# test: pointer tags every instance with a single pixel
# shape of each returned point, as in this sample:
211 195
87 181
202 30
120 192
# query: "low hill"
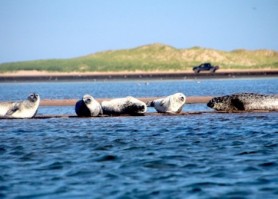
154 57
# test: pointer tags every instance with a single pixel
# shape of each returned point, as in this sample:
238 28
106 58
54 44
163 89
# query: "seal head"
88 107
224 103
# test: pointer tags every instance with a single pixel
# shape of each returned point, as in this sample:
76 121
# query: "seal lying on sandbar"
244 102
128 105
88 107
26 109
171 104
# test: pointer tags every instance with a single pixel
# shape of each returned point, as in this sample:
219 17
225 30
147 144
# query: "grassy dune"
155 57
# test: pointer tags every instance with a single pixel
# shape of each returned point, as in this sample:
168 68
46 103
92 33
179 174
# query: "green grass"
155 57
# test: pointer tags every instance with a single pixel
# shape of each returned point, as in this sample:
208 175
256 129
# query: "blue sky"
43 29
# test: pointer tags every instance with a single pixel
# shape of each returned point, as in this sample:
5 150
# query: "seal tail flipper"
150 103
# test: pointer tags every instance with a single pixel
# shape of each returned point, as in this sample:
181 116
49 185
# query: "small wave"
107 158
268 164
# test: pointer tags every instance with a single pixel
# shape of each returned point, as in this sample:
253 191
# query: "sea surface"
206 155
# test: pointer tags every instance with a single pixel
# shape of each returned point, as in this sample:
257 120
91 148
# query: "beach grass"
154 57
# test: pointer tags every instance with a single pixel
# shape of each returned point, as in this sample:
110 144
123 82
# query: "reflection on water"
190 156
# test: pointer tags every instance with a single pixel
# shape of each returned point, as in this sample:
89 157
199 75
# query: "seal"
170 104
244 102
88 107
26 109
128 105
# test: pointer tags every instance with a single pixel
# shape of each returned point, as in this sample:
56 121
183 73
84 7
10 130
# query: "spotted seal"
25 109
244 102
170 104
88 107
128 105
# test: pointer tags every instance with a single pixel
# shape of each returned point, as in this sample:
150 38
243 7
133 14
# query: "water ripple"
196 156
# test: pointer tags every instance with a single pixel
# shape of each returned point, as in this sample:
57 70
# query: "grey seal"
244 102
128 105
25 109
170 104
88 107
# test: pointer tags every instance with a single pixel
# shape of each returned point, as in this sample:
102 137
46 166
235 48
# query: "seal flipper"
13 109
238 104
163 102
179 110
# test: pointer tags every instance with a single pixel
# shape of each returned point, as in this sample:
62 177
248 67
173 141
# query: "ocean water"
112 89
209 155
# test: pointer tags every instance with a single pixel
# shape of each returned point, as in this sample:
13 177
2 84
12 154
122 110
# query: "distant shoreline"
126 75
48 73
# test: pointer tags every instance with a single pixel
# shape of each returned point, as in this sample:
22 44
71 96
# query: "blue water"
73 90
190 156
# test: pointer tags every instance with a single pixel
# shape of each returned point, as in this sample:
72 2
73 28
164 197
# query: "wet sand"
71 102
